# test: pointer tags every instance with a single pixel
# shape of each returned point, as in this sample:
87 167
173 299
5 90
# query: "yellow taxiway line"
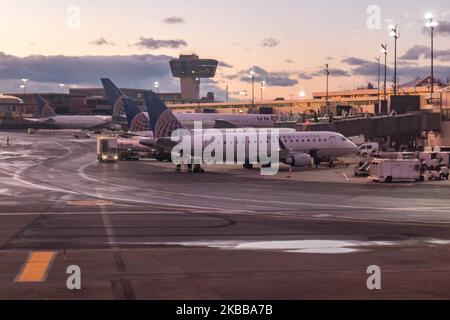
36 267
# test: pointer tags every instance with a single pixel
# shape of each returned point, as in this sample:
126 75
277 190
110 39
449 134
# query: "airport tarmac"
139 230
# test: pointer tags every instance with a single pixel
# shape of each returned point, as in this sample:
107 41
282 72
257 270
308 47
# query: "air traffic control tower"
191 69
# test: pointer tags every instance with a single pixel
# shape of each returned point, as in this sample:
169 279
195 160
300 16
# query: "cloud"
46 71
443 29
406 72
334 72
174 20
223 64
289 61
352 61
274 79
270 42
415 53
418 52
102 42
362 67
154 44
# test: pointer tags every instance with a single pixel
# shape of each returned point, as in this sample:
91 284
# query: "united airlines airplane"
295 148
47 116
209 120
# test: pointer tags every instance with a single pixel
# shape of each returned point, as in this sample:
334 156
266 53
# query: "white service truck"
107 149
394 170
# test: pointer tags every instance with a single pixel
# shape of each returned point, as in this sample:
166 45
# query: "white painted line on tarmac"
318 205
112 240
83 175
345 176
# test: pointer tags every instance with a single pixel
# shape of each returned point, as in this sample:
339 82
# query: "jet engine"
299 160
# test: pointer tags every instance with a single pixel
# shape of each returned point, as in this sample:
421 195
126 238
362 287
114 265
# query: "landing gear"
248 166
191 168
198 169
333 163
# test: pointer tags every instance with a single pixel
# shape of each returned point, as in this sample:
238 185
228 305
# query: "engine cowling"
300 160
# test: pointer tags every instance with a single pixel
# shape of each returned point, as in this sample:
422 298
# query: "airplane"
209 120
295 148
47 117
138 121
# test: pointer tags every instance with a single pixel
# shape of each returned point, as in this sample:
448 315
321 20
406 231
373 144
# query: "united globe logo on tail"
119 108
140 123
167 124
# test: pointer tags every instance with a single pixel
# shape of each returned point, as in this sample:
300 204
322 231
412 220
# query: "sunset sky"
285 41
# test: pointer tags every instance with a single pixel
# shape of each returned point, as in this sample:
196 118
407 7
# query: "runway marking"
345 176
112 240
36 267
17 175
82 174
90 203
127 289
318 205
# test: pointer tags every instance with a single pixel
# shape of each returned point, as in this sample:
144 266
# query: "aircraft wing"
127 135
165 144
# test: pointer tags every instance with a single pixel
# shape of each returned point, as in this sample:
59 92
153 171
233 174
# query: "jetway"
413 125
405 126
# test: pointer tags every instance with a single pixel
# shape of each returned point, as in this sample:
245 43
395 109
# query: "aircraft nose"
353 147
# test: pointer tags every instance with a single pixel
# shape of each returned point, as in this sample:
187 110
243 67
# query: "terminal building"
412 98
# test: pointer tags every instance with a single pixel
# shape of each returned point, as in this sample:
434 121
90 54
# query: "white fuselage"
78 122
239 120
327 145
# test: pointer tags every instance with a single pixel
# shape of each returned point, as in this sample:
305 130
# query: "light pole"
431 23
395 34
24 85
326 71
302 94
379 81
156 85
227 93
253 75
263 86
384 51
243 95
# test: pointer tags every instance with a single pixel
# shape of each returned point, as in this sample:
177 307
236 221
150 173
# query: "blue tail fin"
115 97
137 120
44 110
162 121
